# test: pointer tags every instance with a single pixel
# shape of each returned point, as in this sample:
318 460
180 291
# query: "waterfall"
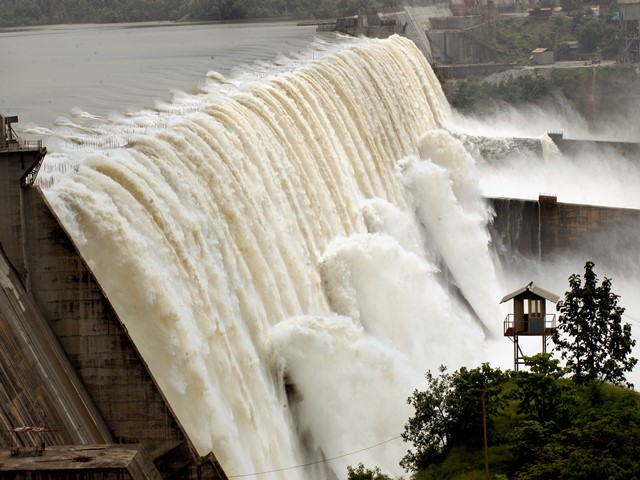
283 249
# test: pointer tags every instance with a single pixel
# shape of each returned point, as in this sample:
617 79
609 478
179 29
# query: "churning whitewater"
283 248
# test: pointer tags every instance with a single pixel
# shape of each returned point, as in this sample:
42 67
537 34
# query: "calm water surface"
46 72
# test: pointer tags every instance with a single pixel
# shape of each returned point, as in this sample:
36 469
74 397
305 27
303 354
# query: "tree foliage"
44 12
449 411
541 395
590 335
599 442
572 6
362 473
542 426
428 429
590 31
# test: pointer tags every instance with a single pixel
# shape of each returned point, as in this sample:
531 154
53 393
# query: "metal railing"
16 145
530 325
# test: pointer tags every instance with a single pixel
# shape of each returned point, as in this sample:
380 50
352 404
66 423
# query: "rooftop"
534 289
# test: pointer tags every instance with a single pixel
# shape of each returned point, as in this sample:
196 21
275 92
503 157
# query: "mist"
594 175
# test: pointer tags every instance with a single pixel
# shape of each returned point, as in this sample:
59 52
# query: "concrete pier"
19 165
629 150
90 462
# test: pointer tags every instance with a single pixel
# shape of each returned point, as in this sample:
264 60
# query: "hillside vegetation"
44 12
540 426
517 36
479 94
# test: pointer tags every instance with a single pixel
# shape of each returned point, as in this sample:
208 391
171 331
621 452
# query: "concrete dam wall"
71 375
545 229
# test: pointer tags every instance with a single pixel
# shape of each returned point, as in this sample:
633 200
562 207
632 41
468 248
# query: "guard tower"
529 318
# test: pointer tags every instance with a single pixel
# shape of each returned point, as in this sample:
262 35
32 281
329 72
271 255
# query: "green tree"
544 427
540 393
545 400
428 430
590 334
526 441
233 9
600 442
449 412
362 473
590 31
570 6
469 387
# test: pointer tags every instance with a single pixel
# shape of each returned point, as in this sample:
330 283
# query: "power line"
631 317
316 462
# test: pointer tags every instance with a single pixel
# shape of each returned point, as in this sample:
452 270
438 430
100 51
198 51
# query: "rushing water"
270 229
291 246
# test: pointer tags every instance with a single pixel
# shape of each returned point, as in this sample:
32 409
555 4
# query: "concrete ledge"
109 462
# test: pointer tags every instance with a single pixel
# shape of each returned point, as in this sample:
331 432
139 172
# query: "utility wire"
635 320
316 462
631 317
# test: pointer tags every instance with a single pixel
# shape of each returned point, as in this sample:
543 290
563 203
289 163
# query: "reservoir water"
48 71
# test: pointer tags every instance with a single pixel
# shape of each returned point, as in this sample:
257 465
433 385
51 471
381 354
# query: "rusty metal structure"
629 30
380 24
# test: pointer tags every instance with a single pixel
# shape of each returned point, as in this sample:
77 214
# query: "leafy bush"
448 413
550 427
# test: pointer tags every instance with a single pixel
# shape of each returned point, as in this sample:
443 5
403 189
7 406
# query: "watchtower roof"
531 290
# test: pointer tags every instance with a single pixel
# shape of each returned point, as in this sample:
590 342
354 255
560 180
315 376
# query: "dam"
68 363
206 292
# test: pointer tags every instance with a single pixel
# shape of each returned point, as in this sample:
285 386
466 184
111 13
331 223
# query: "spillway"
282 255
248 281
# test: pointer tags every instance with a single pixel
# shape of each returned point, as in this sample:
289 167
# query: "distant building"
629 9
369 24
543 12
541 56
569 50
